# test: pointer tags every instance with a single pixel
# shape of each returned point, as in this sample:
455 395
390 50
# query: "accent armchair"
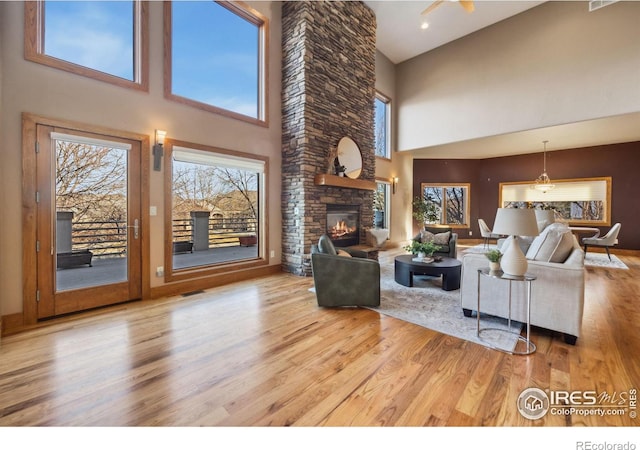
446 242
486 233
606 241
342 279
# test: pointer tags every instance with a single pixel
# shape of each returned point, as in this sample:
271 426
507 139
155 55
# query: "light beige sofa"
557 301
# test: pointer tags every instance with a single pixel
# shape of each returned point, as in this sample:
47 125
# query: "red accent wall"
621 162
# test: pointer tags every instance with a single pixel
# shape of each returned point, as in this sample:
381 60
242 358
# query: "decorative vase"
514 261
494 266
422 255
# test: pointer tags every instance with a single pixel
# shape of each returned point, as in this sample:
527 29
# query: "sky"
214 51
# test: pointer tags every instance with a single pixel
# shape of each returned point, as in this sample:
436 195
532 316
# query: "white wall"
37 89
554 64
386 84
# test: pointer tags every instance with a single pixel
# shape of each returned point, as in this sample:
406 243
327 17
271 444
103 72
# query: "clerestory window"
382 123
107 41
217 58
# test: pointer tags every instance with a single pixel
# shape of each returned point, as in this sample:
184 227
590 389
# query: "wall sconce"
158 149
394 184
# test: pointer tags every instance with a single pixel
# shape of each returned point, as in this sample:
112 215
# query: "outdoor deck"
114 270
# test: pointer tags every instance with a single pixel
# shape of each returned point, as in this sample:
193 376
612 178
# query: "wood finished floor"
262 353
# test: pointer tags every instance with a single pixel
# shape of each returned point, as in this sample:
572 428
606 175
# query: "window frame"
467 205
387 102
387 202
249 14
537 199
189 273
34 32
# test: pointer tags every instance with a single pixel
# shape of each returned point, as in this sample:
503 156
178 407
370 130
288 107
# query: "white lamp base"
513 261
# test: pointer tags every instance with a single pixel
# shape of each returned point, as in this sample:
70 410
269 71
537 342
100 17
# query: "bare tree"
91 181
245 184
455 205
229 192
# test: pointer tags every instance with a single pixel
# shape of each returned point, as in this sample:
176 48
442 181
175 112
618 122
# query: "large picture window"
382 121
446 204
215 209
107 41
216 58
583 201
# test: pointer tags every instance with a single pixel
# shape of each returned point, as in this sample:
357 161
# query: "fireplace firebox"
343 225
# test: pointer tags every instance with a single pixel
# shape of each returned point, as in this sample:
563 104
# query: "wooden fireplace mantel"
324 179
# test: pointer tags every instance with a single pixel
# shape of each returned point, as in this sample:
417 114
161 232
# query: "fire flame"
342 229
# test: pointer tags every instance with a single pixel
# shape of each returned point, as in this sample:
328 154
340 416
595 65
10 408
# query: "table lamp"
514 222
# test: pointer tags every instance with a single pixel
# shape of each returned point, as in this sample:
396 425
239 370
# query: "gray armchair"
606 241
343 280
448 249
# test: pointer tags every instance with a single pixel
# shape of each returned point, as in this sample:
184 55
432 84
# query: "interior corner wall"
328 90
389 169
554 64
618 161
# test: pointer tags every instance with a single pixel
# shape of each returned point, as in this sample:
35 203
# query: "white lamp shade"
515 222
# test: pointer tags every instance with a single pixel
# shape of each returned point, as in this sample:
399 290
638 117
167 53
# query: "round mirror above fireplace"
350 157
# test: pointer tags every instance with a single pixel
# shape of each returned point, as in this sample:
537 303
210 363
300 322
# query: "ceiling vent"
597 4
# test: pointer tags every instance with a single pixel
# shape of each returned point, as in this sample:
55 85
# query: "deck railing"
108 239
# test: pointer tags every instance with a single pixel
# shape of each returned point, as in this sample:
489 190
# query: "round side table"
499 275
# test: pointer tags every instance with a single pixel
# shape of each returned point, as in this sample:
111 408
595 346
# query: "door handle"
136 228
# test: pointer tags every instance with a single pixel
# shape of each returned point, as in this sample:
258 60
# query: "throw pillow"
438 239
442 238
564 248
426 236
544 245
343 253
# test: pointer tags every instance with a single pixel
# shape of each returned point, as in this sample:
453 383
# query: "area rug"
602 260
590 259
427 305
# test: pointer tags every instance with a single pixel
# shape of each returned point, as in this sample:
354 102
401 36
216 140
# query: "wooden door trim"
29 208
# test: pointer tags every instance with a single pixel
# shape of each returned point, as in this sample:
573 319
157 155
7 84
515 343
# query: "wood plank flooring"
262 353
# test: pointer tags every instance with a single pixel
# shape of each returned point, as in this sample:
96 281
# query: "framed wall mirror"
580 201
349 156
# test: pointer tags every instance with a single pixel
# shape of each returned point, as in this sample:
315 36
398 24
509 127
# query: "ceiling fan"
466 4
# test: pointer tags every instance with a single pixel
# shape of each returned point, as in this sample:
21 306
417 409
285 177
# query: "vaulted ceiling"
400 37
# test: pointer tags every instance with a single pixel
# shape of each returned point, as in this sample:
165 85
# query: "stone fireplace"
328 91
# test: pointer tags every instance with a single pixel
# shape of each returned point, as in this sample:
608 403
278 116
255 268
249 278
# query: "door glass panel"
91 242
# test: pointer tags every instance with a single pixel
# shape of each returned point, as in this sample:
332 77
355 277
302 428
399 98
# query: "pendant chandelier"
543 182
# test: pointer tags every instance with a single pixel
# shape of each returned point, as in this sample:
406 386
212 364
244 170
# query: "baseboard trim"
196 284
11 323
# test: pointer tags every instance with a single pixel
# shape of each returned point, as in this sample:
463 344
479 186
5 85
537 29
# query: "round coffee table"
449 268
